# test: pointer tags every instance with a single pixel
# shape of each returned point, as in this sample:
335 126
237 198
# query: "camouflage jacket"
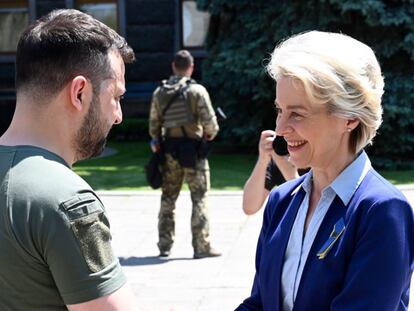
204 120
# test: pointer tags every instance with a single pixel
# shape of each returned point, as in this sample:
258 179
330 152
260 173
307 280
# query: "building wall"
151 28
45 6
150 32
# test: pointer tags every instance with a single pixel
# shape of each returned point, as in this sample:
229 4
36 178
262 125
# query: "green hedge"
131 129
243 33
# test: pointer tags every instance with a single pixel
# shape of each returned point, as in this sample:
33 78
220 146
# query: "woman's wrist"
263 160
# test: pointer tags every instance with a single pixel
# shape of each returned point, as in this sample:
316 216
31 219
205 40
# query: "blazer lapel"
277 244
335 213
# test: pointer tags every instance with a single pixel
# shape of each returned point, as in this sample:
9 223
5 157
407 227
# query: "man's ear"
190 70
77 89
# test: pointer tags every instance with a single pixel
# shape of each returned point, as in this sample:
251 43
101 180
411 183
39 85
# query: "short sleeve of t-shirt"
273 176
74 242
78 250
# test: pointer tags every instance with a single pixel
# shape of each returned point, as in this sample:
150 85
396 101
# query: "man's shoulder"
197 87
157 90
171 86
39 174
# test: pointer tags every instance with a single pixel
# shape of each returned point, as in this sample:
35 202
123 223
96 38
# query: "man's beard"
90 140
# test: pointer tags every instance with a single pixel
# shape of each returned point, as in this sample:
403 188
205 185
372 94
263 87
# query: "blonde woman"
340 237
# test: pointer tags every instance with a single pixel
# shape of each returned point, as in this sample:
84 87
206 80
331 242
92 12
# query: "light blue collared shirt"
299 245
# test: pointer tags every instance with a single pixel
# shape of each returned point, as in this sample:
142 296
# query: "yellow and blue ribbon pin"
337 231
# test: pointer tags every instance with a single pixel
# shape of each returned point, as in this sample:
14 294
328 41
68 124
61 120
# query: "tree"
243 33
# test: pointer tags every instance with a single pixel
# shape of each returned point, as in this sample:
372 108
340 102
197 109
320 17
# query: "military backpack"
175 103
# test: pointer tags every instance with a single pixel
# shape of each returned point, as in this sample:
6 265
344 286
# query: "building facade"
155 29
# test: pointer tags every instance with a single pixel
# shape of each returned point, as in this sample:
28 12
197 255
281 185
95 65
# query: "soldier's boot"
165 253
210 252
164 247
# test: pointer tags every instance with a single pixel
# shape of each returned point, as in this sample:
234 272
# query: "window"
14 17
194 25
105 11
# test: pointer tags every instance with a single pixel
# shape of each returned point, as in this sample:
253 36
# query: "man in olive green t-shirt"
54 235
55 241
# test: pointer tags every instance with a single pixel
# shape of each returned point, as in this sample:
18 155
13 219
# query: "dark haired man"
181 116
55 251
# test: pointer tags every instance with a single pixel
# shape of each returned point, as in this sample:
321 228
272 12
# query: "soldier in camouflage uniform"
189 117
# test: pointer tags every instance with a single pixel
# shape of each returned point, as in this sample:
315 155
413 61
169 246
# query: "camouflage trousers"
198 180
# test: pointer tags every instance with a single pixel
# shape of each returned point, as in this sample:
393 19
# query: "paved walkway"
180 283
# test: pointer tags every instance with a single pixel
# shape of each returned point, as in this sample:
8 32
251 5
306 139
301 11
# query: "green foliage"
132 129
395 139
243 33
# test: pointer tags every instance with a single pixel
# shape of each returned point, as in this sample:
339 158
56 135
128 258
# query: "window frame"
70 4
9 57
196 51
120 12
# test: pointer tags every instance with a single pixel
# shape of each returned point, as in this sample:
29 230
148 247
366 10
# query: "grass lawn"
125 169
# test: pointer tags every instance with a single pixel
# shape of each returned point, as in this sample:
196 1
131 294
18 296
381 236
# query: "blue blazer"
368 268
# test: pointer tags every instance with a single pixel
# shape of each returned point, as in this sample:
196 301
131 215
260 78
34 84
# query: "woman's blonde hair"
337 71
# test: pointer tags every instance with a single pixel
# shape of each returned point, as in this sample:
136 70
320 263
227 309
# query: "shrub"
131 129
243 33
